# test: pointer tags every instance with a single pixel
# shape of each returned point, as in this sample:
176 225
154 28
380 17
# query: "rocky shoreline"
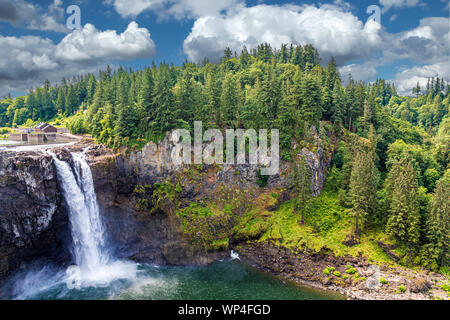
364 282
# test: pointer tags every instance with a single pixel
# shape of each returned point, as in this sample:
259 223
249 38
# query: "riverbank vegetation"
389 180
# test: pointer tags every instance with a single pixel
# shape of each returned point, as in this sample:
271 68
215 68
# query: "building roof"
43 126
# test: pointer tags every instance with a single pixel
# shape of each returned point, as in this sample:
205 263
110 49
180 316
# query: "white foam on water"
234 255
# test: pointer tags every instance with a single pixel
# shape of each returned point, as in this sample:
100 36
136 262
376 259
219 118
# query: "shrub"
326 271
445 271
402 289
345 277
446 288
262 180
350 270
383 281
337 273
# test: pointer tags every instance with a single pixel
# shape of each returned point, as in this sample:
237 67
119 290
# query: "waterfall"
86 227
94 263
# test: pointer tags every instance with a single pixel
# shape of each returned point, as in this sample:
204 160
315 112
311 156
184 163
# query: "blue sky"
410 44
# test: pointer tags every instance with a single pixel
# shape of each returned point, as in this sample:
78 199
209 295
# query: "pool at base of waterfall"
226 280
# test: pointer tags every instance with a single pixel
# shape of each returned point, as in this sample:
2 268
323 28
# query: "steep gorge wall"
33 218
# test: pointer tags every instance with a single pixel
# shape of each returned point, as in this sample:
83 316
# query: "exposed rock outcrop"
33 220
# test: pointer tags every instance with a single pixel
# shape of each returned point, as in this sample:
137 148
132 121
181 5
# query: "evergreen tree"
404 219
71 101
228 100
163 115
311 99
302 186
363 185
212 96
417 90
332 75
144 104
438 224
338 105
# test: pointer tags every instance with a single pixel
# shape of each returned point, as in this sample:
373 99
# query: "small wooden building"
45 128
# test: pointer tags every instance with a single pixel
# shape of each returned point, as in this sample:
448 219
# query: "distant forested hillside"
391 169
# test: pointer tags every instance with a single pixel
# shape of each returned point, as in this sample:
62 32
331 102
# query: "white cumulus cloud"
387 4
33 16
28 61
173 8
333 31
407 79
89 43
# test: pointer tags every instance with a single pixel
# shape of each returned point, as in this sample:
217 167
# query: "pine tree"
363 185
404 218
228 100
302 186
61 100
311 99
269 95
438 224
417 90
163 116
338 104
212 96
71 101
145 101
187 97
332 75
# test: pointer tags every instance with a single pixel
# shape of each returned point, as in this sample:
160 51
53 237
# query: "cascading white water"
94 264
87 229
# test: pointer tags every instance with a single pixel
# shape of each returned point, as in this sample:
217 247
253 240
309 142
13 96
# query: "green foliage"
205 228
324 212
402 289
261 179
404 220
383 281
331 270
446 287
77 124
363 184
445 270
301 181
350 270
438 223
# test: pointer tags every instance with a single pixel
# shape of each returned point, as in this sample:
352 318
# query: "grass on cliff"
326 227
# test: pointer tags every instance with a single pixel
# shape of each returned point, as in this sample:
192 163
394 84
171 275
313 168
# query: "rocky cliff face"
33 214
33 219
